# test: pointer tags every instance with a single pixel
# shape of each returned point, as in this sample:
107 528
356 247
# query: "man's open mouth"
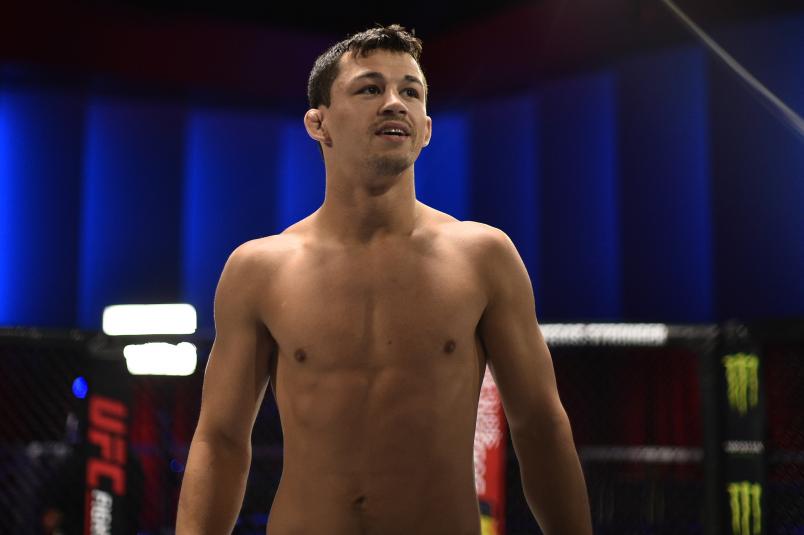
393 130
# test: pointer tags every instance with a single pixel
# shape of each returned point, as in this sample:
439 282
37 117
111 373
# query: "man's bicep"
237 370
517 354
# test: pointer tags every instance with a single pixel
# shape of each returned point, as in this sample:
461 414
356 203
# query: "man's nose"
393 104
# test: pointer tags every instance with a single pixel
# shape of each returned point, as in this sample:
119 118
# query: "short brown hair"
394 37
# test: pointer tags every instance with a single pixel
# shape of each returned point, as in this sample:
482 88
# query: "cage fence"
638 414
637 423
784 379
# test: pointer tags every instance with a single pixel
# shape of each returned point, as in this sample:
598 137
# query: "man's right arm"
234 385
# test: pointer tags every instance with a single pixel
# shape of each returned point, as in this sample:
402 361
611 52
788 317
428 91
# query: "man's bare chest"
354 309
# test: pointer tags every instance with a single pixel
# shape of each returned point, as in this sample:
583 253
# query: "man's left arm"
520 362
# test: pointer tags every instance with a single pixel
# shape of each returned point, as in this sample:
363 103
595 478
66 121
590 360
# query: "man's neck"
360 211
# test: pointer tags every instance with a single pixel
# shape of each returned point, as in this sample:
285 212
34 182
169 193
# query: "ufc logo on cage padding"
108 428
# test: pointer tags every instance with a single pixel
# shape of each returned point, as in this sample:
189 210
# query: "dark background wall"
639 178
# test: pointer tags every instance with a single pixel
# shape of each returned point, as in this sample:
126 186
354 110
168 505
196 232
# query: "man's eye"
411 92
371 90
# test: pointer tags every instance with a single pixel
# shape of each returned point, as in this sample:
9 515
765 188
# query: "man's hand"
523 370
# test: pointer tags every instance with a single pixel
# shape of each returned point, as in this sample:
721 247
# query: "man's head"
393 38
367 101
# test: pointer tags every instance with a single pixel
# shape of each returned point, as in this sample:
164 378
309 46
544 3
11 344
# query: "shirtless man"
373 319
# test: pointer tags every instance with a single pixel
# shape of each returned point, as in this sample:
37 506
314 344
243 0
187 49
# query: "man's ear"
428 131
314 124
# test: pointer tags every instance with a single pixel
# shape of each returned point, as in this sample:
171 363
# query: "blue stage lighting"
80 387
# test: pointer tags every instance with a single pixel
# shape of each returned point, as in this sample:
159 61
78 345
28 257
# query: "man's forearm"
552 479
213 487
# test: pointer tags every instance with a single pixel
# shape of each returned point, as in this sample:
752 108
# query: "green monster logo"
742 380
746 506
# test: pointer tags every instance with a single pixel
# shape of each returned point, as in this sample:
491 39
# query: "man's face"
377 115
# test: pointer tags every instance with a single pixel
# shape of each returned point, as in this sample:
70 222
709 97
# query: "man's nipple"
300 355
359 503
449 347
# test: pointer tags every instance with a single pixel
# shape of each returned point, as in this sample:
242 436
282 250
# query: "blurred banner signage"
489 456
107 424
743 402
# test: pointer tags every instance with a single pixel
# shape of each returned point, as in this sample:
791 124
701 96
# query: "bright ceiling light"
121 320
160 358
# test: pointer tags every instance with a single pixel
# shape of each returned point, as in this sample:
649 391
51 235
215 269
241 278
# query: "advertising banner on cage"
107 424
743 399
489 457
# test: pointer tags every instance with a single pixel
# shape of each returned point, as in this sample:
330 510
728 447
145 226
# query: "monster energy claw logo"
745 499
742 380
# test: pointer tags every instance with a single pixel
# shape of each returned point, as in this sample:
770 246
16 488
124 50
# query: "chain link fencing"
636 418
784 385
637 415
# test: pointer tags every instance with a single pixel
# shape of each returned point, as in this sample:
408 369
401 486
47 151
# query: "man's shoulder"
474 236
262 253
487 248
